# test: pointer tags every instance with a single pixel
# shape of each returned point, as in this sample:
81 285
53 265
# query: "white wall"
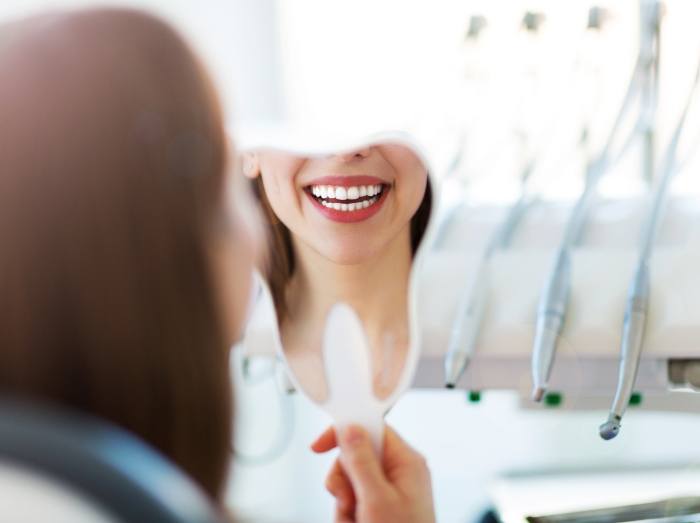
237 39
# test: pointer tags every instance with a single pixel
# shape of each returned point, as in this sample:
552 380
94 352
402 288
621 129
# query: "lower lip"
350 216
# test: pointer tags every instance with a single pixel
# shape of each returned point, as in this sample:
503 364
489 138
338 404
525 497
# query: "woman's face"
347 207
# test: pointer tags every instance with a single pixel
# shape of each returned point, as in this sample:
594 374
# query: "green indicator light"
553 399
474 396
635 399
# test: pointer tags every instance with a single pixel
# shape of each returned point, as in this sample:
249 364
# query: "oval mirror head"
343 228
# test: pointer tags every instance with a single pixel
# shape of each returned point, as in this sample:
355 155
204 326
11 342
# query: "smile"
347 203
347 199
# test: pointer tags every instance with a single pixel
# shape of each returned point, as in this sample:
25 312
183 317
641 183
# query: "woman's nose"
356 154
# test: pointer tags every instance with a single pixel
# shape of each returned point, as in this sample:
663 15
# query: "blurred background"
485 86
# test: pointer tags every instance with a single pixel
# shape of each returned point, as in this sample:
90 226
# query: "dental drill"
637 308
553 305
470 310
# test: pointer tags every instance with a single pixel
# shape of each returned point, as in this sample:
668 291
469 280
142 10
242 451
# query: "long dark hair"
112 154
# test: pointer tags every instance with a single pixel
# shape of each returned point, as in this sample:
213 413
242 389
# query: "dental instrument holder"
553 305
346 357
638 297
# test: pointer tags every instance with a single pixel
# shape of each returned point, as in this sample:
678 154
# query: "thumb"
361 463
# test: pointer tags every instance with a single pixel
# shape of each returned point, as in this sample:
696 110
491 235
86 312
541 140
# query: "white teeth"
345 193
349 207
328 192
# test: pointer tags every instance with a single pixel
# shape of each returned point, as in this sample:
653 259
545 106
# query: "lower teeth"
349 207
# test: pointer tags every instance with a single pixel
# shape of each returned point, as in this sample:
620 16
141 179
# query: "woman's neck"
376 289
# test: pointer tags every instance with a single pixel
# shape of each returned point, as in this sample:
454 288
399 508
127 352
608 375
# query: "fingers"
325 442
343 517
397 487
338 484
405 468
396 451
361 465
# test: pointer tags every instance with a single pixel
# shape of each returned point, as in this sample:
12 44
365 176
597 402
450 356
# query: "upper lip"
346 181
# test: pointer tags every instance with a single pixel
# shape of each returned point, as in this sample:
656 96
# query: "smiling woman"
344 228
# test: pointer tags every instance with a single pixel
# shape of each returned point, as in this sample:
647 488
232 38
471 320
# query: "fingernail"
353 436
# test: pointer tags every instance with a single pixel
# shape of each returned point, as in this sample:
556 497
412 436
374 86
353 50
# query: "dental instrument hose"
638 296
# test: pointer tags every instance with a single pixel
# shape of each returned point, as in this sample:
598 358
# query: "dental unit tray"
598 493
686 510
587 365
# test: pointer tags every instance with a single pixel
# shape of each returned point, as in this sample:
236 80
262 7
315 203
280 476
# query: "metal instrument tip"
538 393
610 428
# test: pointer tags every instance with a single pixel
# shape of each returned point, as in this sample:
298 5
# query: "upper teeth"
345 193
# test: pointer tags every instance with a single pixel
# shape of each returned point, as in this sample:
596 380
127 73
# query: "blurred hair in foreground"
113 154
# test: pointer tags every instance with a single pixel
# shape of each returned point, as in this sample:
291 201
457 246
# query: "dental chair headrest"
72 464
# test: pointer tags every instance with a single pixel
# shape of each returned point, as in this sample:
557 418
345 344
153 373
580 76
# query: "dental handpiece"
631 351
551 315
638 298
551 311
470 311
465 329
637 307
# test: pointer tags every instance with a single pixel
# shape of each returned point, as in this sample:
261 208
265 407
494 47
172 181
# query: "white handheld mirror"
347 360
344 230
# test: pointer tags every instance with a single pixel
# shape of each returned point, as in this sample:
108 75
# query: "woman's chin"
349 254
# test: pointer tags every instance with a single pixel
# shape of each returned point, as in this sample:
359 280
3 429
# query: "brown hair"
113 152
280 262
